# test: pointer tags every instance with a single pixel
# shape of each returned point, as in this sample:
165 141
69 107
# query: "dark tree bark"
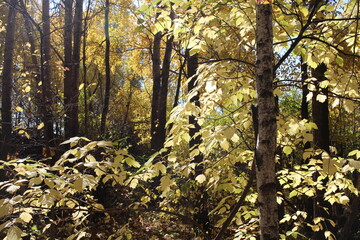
178 85
201 197
266 140
76 65
320 114
165 73
86 112
107 70
47 117
160 91
320 110
68 66
7 80
72 47
156 71
192 65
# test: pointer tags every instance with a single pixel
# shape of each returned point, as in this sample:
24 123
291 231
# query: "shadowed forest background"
180 119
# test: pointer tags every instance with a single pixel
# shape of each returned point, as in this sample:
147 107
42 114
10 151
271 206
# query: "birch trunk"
266 142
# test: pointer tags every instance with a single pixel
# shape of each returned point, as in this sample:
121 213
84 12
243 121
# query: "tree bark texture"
107 70
72 47
161 73
76 65
84 57
201 216
47 117
266 140
192 65
68 66
320 110
7 80
320 114
156 71
165 74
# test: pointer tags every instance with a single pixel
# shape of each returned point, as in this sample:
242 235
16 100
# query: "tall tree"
68 97
156 72
161 75
72 44
7 80
46 74
320 114
266 140
76 64
202 214
107 70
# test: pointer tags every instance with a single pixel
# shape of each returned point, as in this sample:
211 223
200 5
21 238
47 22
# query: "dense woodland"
180 119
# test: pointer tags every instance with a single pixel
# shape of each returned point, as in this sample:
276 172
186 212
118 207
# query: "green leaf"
287 150
293 193
353 152
340 61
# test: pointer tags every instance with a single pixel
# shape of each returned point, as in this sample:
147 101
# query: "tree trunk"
7 80
86 112
46 75
72 46
178 84
76 64
201 216
162 104
156 61
320 110
266 144
68 66
107 70
160 90
320 114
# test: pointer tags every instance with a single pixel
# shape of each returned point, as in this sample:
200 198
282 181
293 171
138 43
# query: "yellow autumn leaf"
26 217
344 200
200 178
321 98
41 125
132 162
27 89
19 109
14 233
